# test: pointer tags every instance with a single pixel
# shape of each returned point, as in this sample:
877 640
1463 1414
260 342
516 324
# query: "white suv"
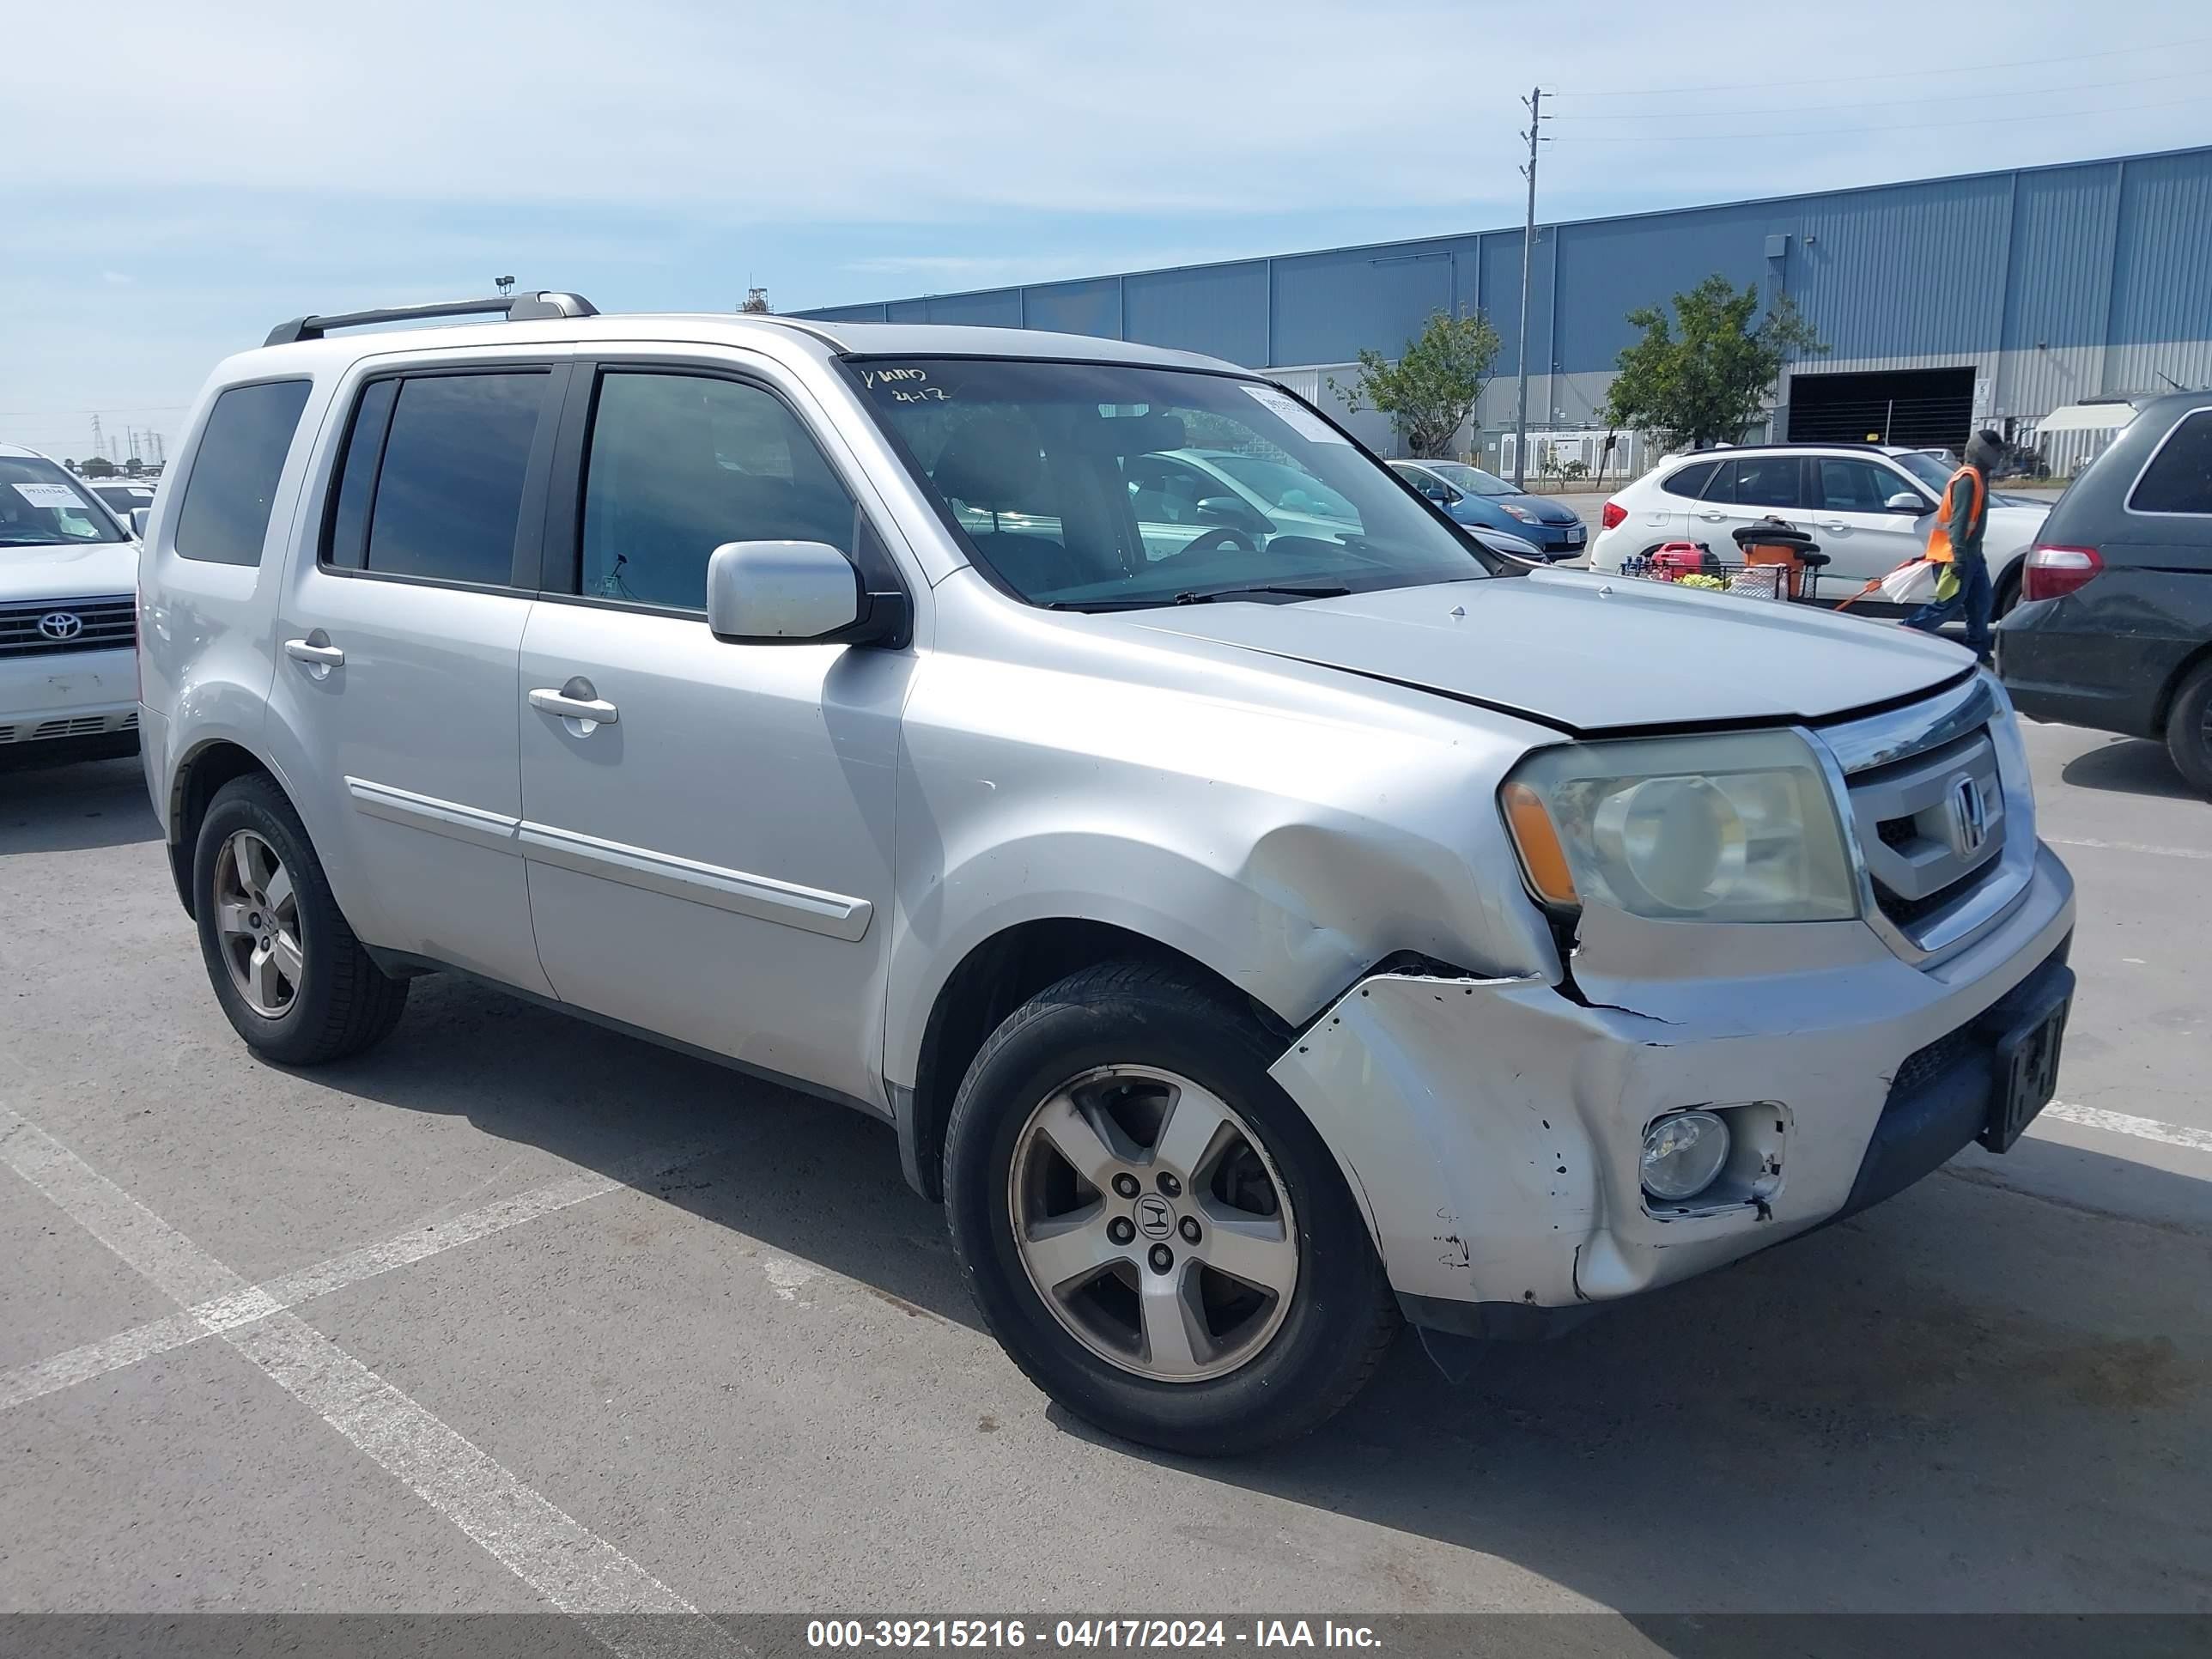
1870 507
1255 927
67 568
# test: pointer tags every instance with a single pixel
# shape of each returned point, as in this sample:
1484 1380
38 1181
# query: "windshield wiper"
1164 600
1212 594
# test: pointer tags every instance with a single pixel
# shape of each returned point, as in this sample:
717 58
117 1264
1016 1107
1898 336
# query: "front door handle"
1838 528
592 711
326 656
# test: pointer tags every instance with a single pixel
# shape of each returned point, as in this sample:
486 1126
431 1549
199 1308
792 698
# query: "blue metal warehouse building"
1986 299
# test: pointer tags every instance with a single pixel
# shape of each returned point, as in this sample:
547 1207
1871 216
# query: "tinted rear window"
2180 476
449 492
225 516
1690 481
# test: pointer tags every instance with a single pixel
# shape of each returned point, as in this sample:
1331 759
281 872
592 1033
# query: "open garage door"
1920 408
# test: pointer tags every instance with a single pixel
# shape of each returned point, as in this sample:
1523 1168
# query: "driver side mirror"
1906 501
796 594
1228 510
140 518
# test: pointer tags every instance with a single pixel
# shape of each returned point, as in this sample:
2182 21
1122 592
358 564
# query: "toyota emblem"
61 624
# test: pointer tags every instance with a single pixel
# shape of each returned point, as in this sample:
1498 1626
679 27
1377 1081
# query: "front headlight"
1735 828
1519 513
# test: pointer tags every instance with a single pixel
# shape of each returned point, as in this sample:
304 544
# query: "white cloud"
851 109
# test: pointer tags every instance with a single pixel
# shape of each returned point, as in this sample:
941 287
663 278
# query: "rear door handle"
324 656
596 711
1714 518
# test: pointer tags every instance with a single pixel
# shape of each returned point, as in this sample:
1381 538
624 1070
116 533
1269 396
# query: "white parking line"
570 1565
2122 1123
2130 846
237 1307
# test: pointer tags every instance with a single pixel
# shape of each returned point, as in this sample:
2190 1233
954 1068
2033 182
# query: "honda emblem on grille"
61 624
1970 817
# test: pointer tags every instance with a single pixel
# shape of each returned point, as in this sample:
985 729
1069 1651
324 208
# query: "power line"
1887 126
1901 103
1885 75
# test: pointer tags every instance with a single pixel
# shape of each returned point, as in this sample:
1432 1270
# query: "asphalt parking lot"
513 1314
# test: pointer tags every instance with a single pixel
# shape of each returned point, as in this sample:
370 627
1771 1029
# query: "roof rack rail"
515 307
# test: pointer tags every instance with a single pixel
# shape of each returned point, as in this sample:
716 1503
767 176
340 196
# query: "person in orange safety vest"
1956 540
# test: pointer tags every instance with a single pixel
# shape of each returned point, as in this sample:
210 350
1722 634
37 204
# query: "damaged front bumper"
1491 1129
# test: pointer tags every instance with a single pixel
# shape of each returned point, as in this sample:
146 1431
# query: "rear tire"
292 979
1227 1367
2189 729
2007 595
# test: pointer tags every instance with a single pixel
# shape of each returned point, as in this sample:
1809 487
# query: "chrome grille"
47 628
1944 843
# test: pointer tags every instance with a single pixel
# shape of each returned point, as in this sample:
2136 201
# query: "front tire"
2188 730
292 979
1150 1225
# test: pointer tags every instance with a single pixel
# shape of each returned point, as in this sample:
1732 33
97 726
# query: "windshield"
1472 479
41 505
1926 468
1102 486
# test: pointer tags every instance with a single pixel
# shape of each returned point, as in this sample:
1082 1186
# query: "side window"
348 538
1856 486
679 464
2180 476
445 500
1765 481
224 518
1165 492
1690 481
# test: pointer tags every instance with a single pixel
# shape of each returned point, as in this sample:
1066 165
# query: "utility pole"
1534 101
98 448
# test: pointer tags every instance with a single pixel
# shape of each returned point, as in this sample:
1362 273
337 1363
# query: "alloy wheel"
256 922
1152 1224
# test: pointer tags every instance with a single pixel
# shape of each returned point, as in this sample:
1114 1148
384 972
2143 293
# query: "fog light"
1683 1154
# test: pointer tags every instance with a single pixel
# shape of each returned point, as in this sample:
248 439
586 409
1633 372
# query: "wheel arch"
991 979
204 768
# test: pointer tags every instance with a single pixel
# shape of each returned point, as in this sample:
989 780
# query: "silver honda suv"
1258 925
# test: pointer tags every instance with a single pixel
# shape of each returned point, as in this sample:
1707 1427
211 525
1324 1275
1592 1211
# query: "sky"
200 172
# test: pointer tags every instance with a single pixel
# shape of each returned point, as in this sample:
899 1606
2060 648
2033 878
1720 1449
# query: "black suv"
2114 630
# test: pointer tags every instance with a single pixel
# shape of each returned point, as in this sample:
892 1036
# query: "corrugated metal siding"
1090 306
1327 306
2058 287
1610 267
1907 270
1221 310
2162 315
2115 281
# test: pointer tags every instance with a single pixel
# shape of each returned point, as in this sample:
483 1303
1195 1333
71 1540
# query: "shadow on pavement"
68 807
2128 766
1972 1397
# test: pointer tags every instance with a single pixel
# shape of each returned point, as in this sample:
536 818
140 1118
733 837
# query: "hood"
1589 653
70 571
1984 450
1548 510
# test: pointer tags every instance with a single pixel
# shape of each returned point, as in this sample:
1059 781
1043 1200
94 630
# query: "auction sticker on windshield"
44 495
1300 419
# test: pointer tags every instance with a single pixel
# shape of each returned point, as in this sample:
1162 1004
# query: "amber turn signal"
1543 860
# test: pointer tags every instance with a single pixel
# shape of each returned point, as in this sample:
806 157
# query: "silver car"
1253 940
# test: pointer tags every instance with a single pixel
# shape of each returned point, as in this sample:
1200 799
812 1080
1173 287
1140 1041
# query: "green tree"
1432 388
1704 378
100 467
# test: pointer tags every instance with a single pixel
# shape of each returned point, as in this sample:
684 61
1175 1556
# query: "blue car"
1472 496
